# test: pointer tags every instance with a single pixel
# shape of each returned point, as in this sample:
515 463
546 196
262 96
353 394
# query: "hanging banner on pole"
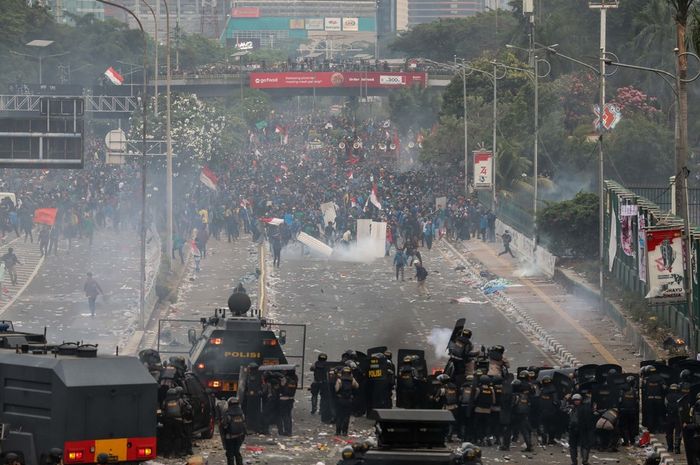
666 276
642 246
483 169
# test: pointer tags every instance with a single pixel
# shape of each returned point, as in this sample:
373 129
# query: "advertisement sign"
332 24
245 12
247 44
296 24
350 24
483 169
314 24
665 276
355 79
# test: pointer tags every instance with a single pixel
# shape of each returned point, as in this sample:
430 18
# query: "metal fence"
661 196
515 211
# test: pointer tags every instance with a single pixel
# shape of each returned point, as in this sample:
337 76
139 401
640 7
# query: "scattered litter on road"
466 300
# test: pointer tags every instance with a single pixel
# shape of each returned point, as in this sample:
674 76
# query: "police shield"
601 371
563 383
586 373
673 361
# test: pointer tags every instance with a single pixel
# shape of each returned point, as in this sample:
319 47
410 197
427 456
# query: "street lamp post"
40 59
155 38
144 102
168 139
535 75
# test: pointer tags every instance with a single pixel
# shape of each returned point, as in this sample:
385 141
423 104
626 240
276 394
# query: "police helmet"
443 378
612 372
359 447
407 359
673 387
322 357
499 348
516 384
498 379
351 364
387 354
576 397
253 366
346 370
467 332
531 374
698 396
171 392
685 375
350 353
479 373
652 369
630 379
469 378
179 390
484 380
348 452
11 457
233 400
546 380
523 374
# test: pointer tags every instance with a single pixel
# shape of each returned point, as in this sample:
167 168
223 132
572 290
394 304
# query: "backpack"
422 273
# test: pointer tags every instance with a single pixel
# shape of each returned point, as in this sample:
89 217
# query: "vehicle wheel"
209 433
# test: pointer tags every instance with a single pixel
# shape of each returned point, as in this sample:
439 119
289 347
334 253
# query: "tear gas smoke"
439 338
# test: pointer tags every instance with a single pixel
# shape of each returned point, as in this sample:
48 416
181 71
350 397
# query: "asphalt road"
55 298
358 304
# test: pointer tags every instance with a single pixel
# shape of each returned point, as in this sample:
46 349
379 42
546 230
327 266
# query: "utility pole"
168 139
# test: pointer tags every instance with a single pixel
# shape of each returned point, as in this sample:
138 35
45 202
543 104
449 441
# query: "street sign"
483 169
611 116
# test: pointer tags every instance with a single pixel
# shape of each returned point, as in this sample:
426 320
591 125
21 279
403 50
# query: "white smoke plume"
439 338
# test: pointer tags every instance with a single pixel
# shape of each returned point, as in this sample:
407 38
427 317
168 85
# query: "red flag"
352 160
350 175
208 178
45 216
374 199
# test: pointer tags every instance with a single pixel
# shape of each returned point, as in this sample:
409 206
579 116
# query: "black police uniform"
319 388
252 402
520 421
271 403
288 389
345 389
407 388
673 420
548 406
629 414
483 401
581 426
173 427
653 399
233 434
466 411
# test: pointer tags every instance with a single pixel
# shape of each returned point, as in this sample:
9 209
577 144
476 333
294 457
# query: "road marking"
595 342
24 286
514 324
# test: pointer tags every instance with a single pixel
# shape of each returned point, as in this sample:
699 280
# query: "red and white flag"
116 78
350 175
374 199
208 178
273 221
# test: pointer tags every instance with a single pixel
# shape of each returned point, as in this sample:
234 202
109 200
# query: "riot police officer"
629 412
581 426
319 388
391 374
498 364
673 419
495 419
345 388
288 388
466 409
520 421
484 398
252 402
407 385
271 402
173 429
548 406
449 400
460 352
691 434
187 421
654 390
233 432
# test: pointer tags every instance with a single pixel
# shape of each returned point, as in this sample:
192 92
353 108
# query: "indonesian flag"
116 78
272 221
350 175
352 160
45 216
284 167
208 178
373 198
353 202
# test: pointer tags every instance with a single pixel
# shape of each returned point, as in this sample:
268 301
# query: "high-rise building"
425 11
64 10
322 26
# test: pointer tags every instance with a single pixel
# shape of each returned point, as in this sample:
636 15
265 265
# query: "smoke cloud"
439 338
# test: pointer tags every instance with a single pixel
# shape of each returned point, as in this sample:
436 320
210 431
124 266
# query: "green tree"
571 226
252 105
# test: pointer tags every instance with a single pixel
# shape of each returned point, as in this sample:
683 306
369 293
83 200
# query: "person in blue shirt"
400 263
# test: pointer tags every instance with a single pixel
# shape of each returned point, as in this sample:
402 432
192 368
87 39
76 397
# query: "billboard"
351 24
483 169
355 79
665 276
314 24
296 24
332 24
245 12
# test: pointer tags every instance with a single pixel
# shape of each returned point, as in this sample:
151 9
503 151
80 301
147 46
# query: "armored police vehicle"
226 344
64 403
